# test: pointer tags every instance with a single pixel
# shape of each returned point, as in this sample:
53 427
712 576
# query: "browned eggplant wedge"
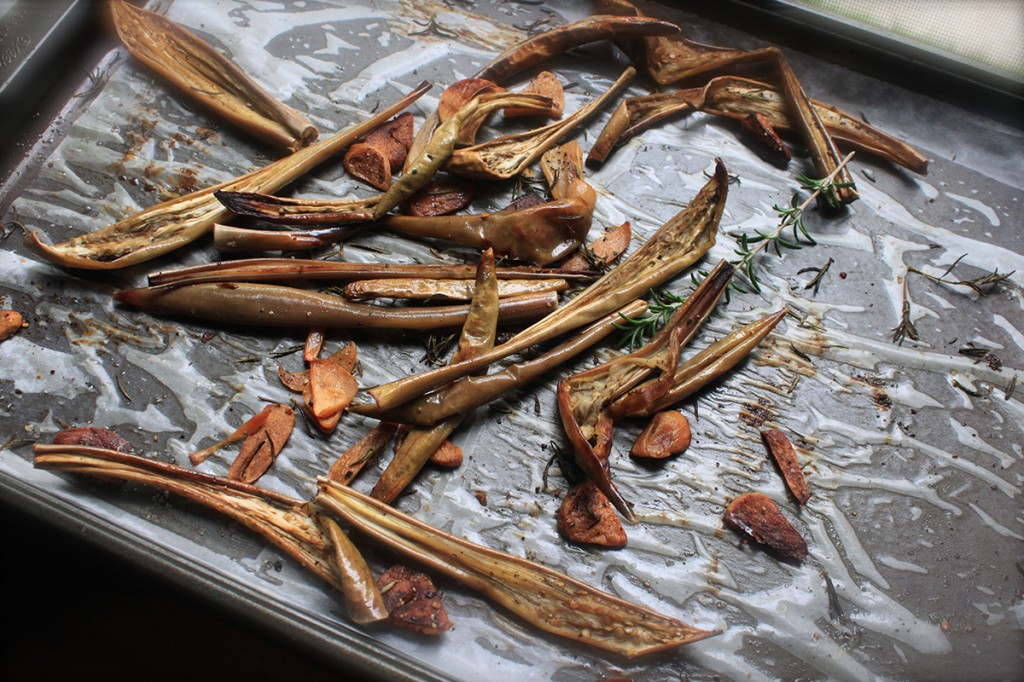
291 525
172 224
269 305
208 77
544 598
676 245
540 234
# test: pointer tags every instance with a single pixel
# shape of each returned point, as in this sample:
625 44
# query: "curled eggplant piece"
708 365
506 157
590 401
208 77
676 245
478 335
280 269
541 234
172 224
544 598
545 45
277 306
293 526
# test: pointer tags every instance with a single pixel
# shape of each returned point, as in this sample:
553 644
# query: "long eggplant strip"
444 289
824 155
550 43
290 211
586 399
270 305
506 157
177 222
540 234
544 598
288 524
711 363
737 98
231 239
278 269
478 335
676 245
209 77
421 169
471 392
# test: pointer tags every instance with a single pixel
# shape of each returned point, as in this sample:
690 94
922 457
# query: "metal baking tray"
913 451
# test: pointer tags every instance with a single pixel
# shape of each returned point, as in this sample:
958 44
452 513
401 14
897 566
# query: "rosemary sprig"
791 216
638 329
437 346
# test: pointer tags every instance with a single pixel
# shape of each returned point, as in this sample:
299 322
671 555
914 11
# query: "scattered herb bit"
799 353
437 346
972 351
1008 393
980 285
906 328
969 391
816 282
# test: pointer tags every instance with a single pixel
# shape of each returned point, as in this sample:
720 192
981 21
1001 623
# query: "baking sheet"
913 452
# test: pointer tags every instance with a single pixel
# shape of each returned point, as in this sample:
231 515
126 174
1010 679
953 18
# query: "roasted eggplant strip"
430 159
231 239
280 269
590 401
208 77
506 157
545 45
471 392
269 305
478 335
676 245
177 222
738 98
540 234
549 600
290 525
365 450
710 364
444 289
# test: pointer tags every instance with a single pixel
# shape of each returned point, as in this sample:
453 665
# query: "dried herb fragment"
757 516
782 452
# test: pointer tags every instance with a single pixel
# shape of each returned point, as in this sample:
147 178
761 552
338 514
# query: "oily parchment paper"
913 451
